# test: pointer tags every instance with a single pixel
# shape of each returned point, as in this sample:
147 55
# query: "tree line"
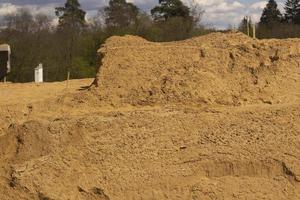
274 24
71 45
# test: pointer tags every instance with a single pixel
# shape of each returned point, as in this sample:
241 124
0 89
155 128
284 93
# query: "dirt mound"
129 139
155 153
220 68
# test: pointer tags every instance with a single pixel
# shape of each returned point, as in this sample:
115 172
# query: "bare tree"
196 11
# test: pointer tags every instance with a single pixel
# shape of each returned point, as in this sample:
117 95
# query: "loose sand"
225 69
214 117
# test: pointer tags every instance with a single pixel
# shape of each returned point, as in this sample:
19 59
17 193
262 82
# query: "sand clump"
212 117
227 69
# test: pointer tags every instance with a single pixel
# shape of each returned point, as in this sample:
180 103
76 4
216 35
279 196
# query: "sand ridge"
227 69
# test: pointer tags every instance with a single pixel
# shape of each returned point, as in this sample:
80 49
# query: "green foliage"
70 16
174 20
292 11
175 28
120 14
70 25
72 45
170 8
280 31
81 68
30 41
243 25
271 14
246 26
273 25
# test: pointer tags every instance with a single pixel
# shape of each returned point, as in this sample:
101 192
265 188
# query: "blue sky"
219 13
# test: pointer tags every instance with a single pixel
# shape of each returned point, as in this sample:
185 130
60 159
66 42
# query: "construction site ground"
147 132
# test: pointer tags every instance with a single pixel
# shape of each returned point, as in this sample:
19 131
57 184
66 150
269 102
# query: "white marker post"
248 26
68 78
254 30
38 74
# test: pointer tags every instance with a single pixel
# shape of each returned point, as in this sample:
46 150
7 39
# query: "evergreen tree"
71 16
175 20
292 11
70 25
243 25
170 8
271 14
120 14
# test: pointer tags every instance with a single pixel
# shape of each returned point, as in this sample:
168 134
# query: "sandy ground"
169 152
11 94
160 134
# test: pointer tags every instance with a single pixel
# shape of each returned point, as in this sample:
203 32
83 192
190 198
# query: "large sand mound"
59 143
228 69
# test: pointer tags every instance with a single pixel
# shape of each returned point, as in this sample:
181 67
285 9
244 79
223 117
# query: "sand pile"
247 152
129 139
228 69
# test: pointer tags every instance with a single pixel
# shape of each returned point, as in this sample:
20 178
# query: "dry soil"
213 117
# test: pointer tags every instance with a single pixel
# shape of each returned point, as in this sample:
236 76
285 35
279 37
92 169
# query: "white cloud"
225 7
47 9
219 13
259 5
7 8
222 13
207 3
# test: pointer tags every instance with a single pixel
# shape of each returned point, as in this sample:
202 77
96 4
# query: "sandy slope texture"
17 101
226 69
170 135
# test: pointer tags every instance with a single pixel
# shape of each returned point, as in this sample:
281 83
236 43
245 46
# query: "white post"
248 26
68 78
38 76
254 31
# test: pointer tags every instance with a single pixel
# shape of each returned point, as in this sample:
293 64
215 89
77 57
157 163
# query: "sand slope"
227 69
215 117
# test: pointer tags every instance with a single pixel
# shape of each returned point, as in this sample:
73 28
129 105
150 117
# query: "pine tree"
120 14
292 11
71 22
271 14
243 25
170 8
71 16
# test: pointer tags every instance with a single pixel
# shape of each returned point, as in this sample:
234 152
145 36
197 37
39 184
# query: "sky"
218 13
